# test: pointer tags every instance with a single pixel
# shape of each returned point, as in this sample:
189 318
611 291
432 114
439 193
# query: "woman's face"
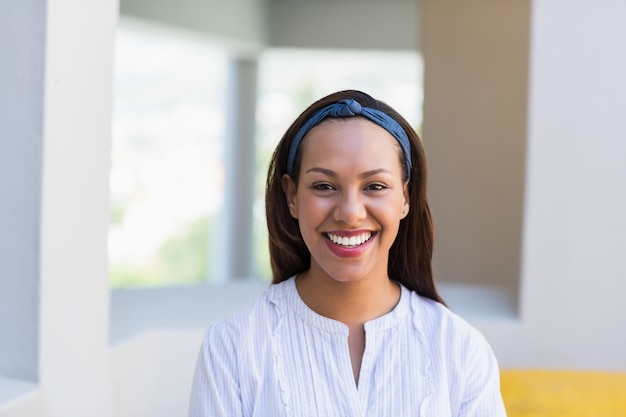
349 199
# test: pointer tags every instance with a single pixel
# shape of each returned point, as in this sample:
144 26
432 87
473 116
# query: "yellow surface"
543 393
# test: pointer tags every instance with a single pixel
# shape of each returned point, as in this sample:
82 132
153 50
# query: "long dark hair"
410 256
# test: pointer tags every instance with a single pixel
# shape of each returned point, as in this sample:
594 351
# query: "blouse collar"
286 293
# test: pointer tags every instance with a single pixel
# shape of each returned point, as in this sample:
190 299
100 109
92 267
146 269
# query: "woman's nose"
350 208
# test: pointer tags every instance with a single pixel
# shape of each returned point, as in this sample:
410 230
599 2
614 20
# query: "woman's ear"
289 188
407 199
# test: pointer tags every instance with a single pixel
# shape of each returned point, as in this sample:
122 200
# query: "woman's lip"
349 233
347 251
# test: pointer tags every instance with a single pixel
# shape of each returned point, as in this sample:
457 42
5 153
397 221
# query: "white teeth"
350 241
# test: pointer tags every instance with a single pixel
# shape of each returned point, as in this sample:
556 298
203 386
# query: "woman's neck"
352 303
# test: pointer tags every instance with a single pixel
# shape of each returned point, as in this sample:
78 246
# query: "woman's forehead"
343 130
351 141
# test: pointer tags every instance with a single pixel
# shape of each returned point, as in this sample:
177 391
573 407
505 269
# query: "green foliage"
182 259
117 214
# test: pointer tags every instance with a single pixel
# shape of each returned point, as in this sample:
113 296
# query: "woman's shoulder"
452 339
434 318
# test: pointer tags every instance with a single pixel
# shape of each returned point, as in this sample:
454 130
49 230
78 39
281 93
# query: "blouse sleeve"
215 390
481 393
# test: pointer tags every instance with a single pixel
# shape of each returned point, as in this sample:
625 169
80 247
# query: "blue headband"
350 108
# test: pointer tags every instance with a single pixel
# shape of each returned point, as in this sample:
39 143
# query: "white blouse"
277 357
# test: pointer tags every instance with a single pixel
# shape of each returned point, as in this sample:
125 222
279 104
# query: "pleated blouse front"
280 358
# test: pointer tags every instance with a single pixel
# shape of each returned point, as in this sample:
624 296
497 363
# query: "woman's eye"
376 187
322 187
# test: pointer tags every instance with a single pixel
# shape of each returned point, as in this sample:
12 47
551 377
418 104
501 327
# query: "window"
167 163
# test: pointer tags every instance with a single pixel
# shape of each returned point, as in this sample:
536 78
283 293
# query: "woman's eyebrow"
374 172
325 171
333 174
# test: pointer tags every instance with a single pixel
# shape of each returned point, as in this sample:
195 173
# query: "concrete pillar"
235 236
475 99
74 351
22 48
575 227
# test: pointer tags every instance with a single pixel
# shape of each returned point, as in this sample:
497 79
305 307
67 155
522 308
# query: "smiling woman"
351 187
352 324
351 184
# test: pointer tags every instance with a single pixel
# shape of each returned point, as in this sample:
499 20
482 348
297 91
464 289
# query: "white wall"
60 94
575 226
151 374
75 209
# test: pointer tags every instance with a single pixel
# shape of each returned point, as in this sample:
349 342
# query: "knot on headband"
345 108
352 108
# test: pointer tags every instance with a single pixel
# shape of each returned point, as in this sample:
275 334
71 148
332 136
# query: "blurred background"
169 144
134 141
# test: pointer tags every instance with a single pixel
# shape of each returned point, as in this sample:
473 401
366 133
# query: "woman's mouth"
351 241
